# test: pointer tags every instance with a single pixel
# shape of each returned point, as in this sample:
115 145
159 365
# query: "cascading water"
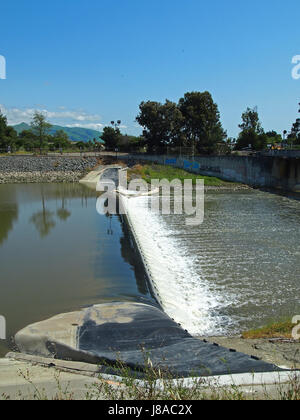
183 295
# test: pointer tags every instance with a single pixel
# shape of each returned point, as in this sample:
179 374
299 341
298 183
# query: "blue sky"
87 62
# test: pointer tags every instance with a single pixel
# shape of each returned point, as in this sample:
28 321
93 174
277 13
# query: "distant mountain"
74 133
21 127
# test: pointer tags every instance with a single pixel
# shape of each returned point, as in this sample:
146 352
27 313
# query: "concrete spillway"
134 332
181 293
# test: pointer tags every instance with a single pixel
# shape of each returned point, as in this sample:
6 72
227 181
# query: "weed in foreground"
158 384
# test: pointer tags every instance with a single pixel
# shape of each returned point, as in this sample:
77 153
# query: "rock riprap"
19 169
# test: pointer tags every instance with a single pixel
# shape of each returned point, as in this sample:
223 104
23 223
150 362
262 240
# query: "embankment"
29 169
276 172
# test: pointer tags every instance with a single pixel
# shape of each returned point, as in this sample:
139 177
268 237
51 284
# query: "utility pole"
296 128
116 125
284 138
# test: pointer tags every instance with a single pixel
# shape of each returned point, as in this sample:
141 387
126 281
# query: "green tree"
172 121
60 139
8 136
131 143
274 137
252 133
162 124
250 121
40 127
202 125
150 118
294 136
111 136
97 144
28 140
81 145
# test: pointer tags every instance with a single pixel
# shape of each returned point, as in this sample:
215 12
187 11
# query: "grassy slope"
148 172
274 330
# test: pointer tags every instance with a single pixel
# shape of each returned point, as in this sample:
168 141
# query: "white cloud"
18 115
15 115
92 126
61 116
72 115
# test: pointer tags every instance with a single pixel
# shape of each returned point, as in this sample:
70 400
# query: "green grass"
273 330
19 152
148 172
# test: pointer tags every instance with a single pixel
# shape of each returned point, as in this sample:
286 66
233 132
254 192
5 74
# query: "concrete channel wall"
279 172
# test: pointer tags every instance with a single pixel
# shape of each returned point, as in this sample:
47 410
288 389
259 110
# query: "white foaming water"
182 294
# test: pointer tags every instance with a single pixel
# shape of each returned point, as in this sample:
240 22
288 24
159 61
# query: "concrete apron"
29 378
92 178
138 334
77 377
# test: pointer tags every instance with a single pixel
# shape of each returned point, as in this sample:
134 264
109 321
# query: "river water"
238 270
57 254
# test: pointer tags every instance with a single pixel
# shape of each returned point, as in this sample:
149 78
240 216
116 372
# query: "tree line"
191 126
38 137
192 123
253 136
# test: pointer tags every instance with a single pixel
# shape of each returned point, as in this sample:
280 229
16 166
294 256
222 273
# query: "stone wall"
29 169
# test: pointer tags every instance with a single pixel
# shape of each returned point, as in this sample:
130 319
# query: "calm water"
57 254
239 269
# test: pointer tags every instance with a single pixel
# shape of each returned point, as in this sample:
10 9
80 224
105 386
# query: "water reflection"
62 213
129 250
8 216
43 220
110 230
8 212
131 255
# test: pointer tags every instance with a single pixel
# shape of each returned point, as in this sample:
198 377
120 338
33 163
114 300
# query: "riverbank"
273 343
148 172
29 169
278 173
59 169
282 352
